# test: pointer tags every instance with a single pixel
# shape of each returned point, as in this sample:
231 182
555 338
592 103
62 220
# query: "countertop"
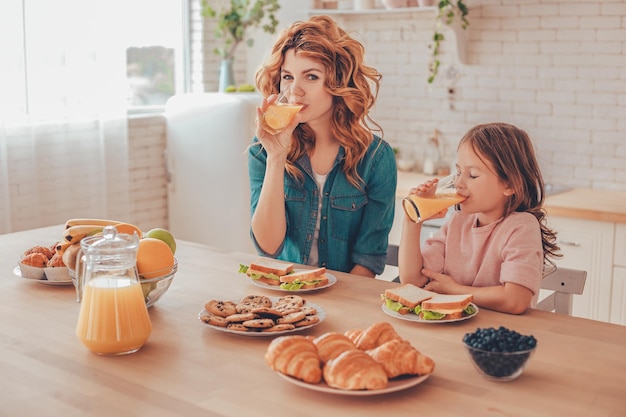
578 203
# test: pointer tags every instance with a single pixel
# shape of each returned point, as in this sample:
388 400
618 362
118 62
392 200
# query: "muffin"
35 259
56 261
46 251
32 265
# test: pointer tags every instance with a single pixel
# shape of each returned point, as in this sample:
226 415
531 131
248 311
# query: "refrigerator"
207 170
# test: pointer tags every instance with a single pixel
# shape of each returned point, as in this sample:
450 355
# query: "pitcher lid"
110 241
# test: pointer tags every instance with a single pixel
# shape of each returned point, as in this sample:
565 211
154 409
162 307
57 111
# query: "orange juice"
113 316
278 116
420 208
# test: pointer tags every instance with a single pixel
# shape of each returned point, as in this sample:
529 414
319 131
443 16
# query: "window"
69 58
154 55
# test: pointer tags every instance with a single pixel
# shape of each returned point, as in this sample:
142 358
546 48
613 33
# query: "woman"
323 189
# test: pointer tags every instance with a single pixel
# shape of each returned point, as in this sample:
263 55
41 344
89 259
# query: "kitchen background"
555 68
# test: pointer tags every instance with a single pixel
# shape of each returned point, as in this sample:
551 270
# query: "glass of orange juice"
113 317
420 208
280 114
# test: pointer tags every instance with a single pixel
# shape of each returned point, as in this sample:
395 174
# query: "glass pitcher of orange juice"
113 317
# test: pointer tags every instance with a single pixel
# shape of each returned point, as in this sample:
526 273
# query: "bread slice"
304 275
409 295
310 278
447 303
273 266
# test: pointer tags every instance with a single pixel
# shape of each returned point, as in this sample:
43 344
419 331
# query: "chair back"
564 283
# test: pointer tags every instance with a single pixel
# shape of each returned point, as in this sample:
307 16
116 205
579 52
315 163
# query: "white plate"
320 313
332 280
44 281
54 283
396 384
415 317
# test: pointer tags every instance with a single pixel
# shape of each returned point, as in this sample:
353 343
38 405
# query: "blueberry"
492 342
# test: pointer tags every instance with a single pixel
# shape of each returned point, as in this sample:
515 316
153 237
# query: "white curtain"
63 124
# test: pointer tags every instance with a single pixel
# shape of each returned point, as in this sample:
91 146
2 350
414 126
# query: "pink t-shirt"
508 250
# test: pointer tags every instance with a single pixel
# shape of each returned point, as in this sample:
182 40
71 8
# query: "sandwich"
428 305
447 307
406 298
309 278
267 270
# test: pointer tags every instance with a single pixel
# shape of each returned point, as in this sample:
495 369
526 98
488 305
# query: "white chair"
564 283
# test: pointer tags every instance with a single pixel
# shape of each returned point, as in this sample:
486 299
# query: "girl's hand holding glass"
432 199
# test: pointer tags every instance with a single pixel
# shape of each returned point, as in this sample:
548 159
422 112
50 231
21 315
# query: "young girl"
323 189
495 247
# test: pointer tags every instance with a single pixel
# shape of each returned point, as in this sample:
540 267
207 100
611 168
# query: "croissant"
399 357
295 356
355 370
376 335
330 345
352 334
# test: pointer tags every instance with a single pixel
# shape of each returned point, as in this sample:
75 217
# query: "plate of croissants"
373 361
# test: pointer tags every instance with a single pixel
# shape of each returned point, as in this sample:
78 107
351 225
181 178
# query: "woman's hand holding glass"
277 118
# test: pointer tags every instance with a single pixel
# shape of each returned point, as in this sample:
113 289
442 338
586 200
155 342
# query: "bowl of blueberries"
499 354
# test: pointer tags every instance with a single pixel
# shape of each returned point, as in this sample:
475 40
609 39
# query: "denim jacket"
355 224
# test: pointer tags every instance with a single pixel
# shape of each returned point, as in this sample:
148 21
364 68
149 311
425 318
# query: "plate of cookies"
260 315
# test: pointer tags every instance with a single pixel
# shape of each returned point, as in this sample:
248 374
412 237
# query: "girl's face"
486 193
307 78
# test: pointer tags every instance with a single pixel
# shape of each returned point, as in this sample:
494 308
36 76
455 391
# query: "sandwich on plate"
267 270
428 305
301 280
447 307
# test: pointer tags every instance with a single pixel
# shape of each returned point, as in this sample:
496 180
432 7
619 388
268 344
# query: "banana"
70 254
75 234
62 246
96 222
129 229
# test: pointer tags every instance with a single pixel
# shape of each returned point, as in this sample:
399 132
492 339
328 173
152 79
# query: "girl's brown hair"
510 151
353 85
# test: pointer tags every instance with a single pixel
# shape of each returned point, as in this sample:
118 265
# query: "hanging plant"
448 11
235 20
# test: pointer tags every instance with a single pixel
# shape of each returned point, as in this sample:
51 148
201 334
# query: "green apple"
163 235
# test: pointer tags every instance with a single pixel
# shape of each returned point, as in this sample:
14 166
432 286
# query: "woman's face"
486 193
307 78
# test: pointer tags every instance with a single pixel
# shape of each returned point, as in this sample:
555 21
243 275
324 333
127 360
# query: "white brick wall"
556 68
147 171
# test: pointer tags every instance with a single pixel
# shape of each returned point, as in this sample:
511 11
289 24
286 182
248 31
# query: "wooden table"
187 369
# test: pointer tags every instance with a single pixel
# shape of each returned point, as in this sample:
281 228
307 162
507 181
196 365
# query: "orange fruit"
154 258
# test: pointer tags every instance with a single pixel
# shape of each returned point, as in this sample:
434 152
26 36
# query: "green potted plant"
448 11
234 19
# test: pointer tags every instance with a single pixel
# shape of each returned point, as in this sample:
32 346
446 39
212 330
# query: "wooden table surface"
188 369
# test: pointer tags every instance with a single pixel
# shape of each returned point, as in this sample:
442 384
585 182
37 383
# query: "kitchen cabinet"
618 291
588 245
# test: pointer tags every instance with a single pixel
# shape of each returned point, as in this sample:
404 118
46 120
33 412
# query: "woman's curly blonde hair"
353 85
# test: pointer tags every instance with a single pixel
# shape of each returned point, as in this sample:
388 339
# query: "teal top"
354 224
